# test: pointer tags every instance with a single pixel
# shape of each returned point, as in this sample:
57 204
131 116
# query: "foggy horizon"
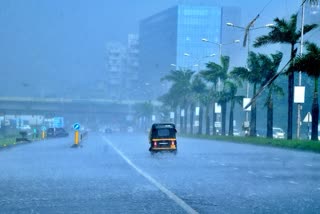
58 42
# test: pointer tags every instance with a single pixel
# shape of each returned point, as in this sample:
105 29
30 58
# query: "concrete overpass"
80 110
33 105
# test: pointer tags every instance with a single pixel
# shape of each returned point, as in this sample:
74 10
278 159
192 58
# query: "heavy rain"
172 106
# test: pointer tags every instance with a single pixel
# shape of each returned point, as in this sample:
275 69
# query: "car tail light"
155 144
172 143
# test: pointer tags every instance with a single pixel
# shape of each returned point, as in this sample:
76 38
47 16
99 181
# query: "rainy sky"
59 45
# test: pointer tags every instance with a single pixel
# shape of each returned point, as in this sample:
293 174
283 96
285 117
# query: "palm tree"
199 89
253 74
310 64
231 89
170 99
144 111
181 91
202 97
312 2
286 32
270 67
213 74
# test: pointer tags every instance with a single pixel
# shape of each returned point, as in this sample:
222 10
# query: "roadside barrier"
79 137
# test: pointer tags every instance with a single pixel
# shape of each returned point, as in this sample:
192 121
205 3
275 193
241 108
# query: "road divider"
79 137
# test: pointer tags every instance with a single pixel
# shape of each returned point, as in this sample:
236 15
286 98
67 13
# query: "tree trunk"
223 117
290 96
185 126
207 119
200 119
181 121
270 115
175 119
214 119
253 119
191 118
315 112
231 119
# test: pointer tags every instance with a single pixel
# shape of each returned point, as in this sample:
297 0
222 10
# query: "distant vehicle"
162 137
278 133
236 132
25 127
57 132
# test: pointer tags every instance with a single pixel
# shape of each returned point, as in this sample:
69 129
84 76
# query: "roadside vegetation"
4 142
306 145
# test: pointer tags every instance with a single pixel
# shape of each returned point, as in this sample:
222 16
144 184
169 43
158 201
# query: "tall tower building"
172 39
115 66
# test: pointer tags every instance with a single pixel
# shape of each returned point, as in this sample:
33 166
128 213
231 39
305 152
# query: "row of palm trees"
189 88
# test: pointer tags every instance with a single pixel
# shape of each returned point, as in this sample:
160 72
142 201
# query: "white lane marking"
268 176
318 188
308 164
235 168
293 182
222 164
163 189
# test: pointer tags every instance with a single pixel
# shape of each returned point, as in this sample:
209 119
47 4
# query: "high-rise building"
172 39
132 66
115 66
122 65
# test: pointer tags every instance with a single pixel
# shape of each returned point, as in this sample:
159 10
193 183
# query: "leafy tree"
270 65
286 32
144 111
312 2
199 90
181 91
310 64
254 75
231 89
213 74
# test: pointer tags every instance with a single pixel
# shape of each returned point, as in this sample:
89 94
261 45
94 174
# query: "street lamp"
220 44
220 51
246 40
247 31
198 60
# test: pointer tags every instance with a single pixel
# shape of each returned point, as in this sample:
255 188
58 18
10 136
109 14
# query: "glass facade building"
172 39
193 24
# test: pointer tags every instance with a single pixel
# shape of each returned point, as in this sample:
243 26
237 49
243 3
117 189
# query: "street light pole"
220 52
300 75
198 60
247 40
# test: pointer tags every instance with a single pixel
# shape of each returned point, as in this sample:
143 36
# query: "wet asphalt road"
116 174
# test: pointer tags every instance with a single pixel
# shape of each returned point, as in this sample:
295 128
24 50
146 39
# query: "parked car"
57 132
278 133
236 132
